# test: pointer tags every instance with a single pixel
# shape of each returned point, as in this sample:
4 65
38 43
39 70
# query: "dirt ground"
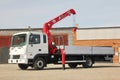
100 71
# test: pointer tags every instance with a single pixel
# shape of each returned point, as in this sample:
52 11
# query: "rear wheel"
39 64
88 63
72 65
23 66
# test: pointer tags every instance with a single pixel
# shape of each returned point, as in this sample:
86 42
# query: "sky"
34 13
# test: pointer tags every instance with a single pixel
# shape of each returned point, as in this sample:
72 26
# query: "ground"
100 71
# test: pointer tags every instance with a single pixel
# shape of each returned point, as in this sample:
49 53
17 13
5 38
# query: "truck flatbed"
84 50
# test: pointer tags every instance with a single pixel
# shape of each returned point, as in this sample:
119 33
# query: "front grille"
16 56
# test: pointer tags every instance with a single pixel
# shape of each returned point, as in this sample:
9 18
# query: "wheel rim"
89 62
40 64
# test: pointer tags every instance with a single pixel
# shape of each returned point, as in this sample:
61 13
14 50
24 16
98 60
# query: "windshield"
19 40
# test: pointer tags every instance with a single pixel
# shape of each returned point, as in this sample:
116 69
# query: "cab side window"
34 39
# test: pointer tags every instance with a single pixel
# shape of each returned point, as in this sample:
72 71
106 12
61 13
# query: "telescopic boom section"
48 25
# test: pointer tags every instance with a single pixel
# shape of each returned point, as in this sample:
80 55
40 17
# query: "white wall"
100 33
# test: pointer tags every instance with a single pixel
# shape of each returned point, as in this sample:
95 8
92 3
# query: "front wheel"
88 63
23 66
39 64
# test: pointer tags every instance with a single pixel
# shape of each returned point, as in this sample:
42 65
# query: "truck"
37 50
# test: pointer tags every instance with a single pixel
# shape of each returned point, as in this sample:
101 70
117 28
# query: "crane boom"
48 25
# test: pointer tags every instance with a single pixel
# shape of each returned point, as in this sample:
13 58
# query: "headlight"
23 56
11 56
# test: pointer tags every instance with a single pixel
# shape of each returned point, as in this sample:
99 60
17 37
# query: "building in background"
102 36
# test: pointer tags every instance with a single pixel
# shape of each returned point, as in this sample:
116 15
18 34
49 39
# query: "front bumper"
14 61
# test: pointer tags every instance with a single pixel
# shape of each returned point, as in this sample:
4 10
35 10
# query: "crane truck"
37 49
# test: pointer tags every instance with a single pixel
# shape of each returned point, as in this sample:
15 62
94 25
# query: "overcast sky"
34 13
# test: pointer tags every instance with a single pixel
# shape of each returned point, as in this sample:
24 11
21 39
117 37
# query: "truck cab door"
37 45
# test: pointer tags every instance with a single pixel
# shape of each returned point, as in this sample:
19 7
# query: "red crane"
48 25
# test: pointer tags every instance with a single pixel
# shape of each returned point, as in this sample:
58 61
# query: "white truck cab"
25 45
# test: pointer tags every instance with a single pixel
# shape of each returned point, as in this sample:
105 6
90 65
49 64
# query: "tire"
88 63
72 65
39 64
23 66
